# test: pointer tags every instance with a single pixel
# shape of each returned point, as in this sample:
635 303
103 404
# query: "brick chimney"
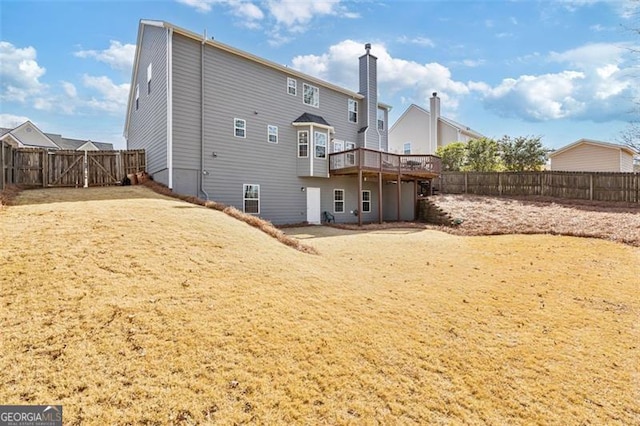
369 136
434 116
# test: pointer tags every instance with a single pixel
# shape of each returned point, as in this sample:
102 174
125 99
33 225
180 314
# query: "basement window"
338 200
251 198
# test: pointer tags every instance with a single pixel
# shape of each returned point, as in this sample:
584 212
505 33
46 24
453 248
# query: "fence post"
2 183
590 186
500 183
465 182
45 167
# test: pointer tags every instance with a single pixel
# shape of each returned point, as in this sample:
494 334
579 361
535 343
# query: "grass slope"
129 307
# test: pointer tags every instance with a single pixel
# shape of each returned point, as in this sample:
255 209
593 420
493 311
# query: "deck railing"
385 162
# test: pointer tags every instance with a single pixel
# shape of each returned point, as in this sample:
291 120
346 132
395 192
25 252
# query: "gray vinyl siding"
369 88
238 88
186 83
148 124
384 135
390 199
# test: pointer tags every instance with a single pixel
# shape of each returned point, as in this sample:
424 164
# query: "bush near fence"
594 186
41 168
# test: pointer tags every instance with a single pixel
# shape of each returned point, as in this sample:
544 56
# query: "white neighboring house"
587 155
419 131
28 135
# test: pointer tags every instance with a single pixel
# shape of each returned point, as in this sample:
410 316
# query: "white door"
313 206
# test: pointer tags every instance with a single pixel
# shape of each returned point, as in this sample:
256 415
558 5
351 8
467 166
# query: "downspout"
169 77
202 169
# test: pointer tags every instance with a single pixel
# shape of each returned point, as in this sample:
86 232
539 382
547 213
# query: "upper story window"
272 134
239 128
149 79
310 95
351 156
353 111
338 200
303 144
251 198
380 119
292 86
366 201
320 140
137 96
406 148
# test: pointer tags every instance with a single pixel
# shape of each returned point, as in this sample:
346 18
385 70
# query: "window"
380 119
303 144
366 201
350 156
240 128
137 96
251 198
353 111
338 145
292 86
272 134
320 140
338 200
310 95
406 148
149 79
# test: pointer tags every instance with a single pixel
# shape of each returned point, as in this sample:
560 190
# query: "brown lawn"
129 307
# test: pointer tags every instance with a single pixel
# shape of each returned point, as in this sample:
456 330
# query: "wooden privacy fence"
31 167
596 186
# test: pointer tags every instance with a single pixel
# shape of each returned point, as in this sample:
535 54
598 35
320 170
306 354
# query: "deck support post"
379 197
360 196
415 198
399 196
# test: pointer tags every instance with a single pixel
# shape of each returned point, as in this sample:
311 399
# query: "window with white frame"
272 133
240 128
338 200
406 148
310 95
353 111
292 86
149 79
380 119
137 96
350 157
320 142
303 144
251 198
366 201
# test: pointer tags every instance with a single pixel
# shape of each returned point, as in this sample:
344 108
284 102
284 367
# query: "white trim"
355 110
326 145
149 73
316 90
169 77
343 201
311 123
295 86
269 127
362 201
298 143
312 144
244 198
88 146
244 128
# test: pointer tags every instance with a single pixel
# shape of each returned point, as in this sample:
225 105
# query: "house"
419 131
587 155
223 124
28 135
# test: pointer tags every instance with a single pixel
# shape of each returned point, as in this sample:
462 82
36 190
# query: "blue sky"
563 70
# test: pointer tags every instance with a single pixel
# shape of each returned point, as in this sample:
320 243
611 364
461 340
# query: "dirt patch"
126 306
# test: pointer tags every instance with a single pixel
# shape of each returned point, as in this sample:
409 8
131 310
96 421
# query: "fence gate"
103 168
65 168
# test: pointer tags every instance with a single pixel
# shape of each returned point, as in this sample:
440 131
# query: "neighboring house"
28 135
587 155
226 125
419 131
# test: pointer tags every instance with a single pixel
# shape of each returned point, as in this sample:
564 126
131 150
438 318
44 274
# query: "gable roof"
229 49
58 141
602 144
38 138
461 127
311 118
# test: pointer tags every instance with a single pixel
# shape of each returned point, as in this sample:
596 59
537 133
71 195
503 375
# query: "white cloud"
201 6
11 121
472 63
118 56
340 66
19 72
595 86
420 41
112 97
295 14
513 20
69 89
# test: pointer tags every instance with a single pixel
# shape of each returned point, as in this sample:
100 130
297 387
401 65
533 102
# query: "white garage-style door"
313 206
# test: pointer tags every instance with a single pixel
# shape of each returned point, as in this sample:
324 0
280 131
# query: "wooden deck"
391 166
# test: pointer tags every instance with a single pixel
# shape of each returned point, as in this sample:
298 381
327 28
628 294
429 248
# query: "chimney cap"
367 47
435 94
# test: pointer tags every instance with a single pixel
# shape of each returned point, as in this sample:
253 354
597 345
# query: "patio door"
313 205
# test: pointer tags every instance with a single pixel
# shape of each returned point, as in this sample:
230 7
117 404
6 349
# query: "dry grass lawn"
128 307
